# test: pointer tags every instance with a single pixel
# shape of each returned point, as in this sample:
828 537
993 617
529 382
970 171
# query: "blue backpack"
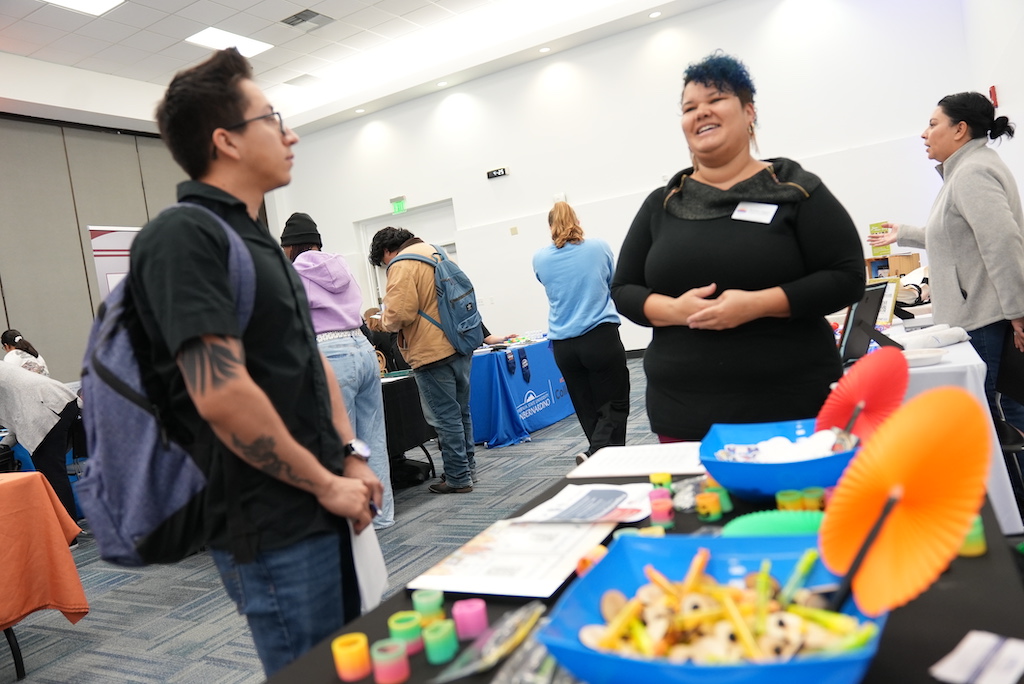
456 301
143 493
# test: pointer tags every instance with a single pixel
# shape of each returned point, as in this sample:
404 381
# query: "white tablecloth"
962 367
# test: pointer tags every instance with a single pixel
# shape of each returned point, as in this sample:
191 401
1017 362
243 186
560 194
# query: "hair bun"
1000 125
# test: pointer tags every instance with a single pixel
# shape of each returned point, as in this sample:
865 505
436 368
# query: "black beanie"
300 229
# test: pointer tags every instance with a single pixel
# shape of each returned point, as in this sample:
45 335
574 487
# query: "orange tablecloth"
36 565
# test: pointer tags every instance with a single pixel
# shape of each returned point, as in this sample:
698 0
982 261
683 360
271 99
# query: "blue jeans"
444 396
290 597
355 365
988 342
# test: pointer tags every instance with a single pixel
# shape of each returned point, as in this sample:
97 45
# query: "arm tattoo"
212 360
260 454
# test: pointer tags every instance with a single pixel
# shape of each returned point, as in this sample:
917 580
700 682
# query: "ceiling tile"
461 6
32 33
176 27
170 6
278 34
149 41
81 45
237 4
244 24
206 12
149 67
275 10
51 54
59 18
431 14
335 31
368 18
6 20
187 52
110 31
17 46
101 65
364 40
307 64
20 8
336 9
135 15
121 54
306 43
275 57
395 28
335 53
277 75
401 7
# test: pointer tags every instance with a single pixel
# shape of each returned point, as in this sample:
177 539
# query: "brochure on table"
515 559
627 503
677 458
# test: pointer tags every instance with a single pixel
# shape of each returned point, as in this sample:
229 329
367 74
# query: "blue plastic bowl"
762 480
731 559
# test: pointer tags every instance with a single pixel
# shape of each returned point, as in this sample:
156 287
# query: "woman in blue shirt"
584 328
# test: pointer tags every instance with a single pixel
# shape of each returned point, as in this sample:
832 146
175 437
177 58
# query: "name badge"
755 212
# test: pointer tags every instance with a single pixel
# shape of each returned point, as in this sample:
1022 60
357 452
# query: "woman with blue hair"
735 264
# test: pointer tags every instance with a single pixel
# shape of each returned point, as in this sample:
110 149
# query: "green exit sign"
398 204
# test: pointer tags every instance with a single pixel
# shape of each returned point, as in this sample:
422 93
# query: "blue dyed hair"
719 70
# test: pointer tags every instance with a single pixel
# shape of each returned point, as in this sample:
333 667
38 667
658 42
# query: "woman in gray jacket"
974 235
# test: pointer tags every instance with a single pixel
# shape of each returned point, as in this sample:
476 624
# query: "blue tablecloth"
509 402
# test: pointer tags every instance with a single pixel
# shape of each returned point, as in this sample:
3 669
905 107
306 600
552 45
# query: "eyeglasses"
280 122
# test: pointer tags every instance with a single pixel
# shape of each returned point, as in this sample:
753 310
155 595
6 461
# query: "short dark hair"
387 239
197 102
978 112
724 72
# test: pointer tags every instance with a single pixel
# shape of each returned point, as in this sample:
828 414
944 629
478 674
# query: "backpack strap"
241 270
426 260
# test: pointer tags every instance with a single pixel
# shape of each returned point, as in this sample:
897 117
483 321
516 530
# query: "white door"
433 223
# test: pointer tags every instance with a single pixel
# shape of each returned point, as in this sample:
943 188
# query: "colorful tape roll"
351 656
709 506
429 603
390 662
470 616
789 500
407 625
440 642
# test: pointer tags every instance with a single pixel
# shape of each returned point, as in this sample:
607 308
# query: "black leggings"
50 457
594 368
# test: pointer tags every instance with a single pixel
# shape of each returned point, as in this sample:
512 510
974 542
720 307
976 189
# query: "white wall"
844 86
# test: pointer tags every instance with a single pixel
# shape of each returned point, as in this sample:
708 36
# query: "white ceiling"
374 54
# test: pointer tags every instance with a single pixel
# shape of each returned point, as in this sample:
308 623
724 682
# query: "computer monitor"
859 328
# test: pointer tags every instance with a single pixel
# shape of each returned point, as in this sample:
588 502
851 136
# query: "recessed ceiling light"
545 49
360 111
442 84
654 15
216 39
93 7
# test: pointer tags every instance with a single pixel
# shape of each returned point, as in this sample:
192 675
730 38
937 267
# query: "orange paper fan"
935 448
878 381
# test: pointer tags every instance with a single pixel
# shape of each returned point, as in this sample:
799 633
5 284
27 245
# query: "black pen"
373 509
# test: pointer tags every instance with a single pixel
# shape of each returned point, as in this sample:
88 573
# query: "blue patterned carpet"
176 624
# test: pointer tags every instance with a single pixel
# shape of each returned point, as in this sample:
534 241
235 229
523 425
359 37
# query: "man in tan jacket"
442 374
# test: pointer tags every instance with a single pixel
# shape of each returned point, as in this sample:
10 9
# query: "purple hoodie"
335 300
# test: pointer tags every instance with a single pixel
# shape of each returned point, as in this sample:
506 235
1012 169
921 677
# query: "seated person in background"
386 344
21 353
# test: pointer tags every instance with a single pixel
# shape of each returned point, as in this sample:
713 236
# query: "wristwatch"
357 448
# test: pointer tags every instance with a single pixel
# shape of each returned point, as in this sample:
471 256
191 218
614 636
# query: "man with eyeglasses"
258 406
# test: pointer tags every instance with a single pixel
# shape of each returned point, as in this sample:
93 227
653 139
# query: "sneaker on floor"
443 488
472 476
581 457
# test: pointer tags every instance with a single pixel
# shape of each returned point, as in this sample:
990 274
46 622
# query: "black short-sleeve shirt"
180 288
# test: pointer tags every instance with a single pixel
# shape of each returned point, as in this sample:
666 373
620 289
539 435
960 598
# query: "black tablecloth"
984 593
403 417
